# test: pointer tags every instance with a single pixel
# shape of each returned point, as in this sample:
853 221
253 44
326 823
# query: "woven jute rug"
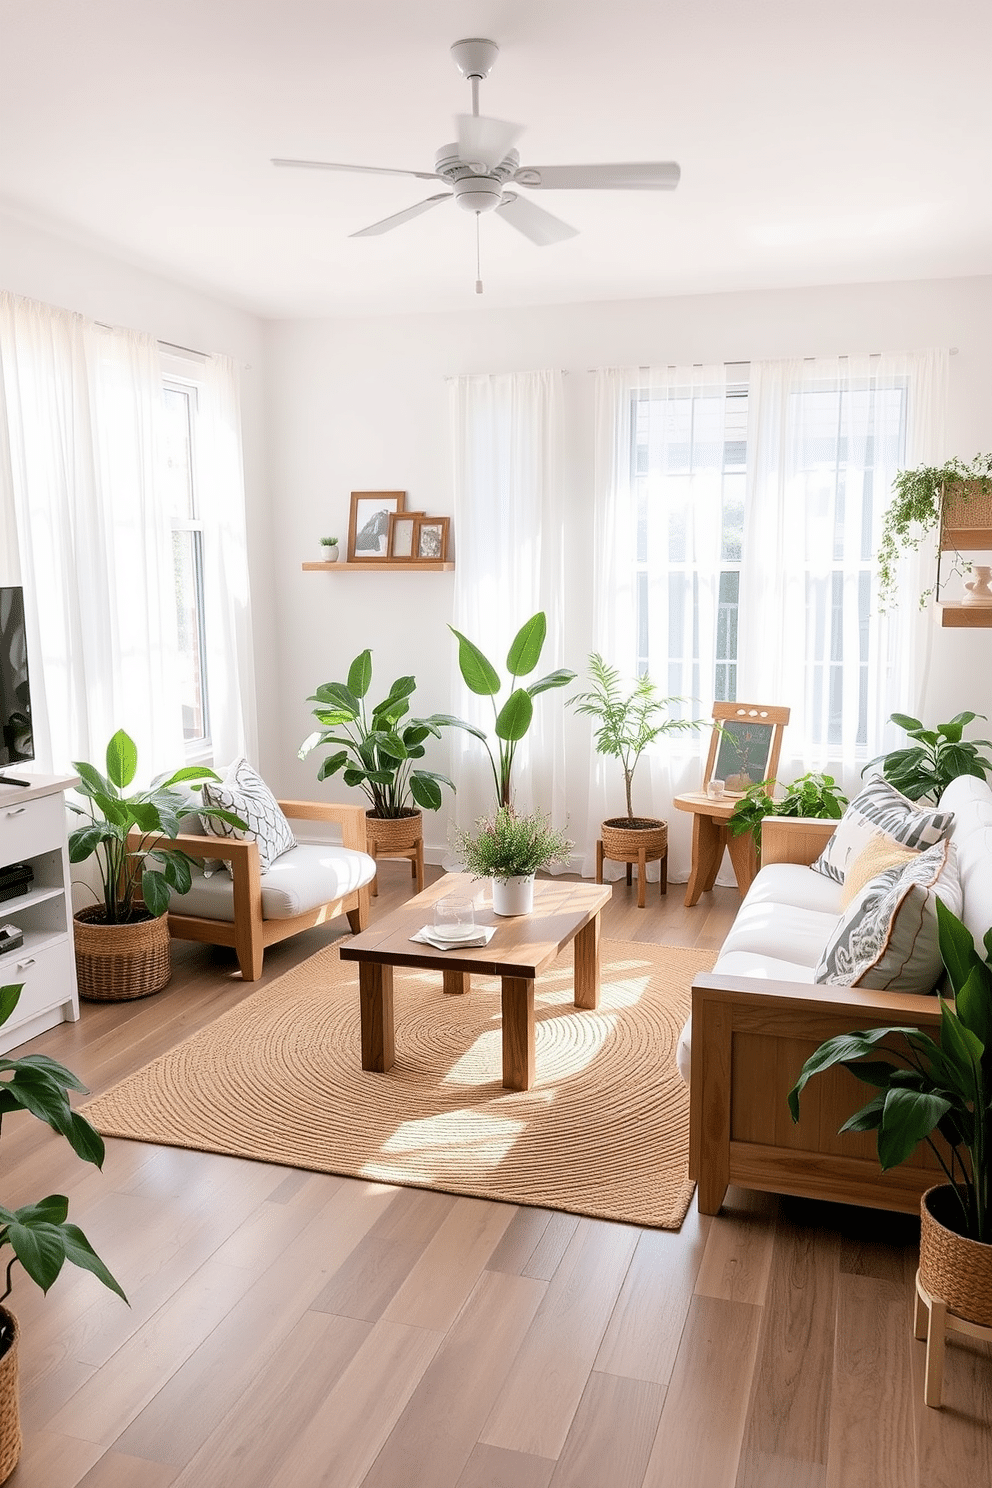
604 1131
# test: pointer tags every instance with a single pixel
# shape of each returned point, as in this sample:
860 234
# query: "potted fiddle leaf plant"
39 1235
513 717
379 750
510 849
626 722
122 942
925 768
939 1093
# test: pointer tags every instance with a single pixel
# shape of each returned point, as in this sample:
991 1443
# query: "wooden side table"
709 838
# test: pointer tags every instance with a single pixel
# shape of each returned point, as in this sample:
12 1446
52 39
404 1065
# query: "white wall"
362 405
41 266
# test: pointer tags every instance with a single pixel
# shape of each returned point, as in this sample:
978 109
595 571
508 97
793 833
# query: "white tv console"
33 830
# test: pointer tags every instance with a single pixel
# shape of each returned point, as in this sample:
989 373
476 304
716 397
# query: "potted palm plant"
626 722
122 942
39 1235
928 1091
378 752
510 849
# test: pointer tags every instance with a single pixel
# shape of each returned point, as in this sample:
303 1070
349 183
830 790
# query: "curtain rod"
171 345
746 361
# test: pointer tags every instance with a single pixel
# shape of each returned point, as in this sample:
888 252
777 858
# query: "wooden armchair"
750 1039
248 932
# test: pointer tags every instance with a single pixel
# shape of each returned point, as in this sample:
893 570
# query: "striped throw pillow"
880 808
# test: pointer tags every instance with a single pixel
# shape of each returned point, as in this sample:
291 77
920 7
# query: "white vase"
979 590
513 896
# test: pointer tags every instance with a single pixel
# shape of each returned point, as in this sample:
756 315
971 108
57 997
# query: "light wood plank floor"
290 1330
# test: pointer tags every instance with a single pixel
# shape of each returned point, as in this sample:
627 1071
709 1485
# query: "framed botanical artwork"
401 525
368 528
430 538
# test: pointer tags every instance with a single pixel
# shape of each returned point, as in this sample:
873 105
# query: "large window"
181 496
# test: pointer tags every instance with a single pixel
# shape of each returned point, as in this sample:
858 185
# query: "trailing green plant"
505 845
372 750
915 510
513 718
40 1235
938 756
627 721
943 1087
136 876
810 795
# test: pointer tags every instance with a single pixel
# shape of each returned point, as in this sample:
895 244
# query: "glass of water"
454 917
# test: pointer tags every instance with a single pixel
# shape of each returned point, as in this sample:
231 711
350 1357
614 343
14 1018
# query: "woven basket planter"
953 1268
115 963
390 833
10 1416
623 840
965 507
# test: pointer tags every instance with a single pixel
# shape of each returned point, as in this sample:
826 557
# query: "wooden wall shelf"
378 565
965 617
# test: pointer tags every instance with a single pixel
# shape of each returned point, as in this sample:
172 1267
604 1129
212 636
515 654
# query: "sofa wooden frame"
248 933
750 1038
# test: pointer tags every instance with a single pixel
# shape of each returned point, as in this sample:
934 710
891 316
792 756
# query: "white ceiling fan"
481 167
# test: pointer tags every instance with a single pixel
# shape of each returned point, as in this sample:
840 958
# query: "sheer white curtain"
826 437
508 508
666 497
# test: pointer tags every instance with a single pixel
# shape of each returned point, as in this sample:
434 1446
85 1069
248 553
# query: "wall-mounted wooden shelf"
965 617
379 565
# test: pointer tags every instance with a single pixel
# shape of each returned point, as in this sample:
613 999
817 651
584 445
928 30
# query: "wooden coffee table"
519 951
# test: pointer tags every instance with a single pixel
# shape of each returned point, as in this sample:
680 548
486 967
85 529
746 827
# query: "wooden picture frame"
368 524
745 744
430 539
401 535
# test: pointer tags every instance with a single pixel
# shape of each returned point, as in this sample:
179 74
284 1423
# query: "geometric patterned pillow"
880 808
887 939
245 793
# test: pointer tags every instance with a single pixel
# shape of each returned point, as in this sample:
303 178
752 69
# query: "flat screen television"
16 738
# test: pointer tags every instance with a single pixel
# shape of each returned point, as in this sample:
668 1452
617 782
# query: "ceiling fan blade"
364 170
533 221
398 218
483 141
657 175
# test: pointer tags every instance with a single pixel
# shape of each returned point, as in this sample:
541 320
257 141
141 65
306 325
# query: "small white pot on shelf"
513 896
329 553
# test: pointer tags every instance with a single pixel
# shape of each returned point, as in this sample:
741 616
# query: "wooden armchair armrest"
350 818
794 839
230 849
817 999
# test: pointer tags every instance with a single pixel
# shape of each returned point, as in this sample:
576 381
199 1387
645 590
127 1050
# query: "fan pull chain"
478 254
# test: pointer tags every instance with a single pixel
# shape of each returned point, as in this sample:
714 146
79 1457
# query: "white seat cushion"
794 883
299 880
782 932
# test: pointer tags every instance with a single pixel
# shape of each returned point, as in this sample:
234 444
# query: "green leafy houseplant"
937 756
505 845
943 1087
627 721
371 748
513 718
915 510
39 1234
810 795
136 877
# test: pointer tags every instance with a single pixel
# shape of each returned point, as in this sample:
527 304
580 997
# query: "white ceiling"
819 142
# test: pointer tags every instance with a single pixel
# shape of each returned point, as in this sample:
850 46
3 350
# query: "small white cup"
715 789
454 915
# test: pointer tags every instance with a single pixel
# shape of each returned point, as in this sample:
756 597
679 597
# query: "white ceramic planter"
328 554
513 896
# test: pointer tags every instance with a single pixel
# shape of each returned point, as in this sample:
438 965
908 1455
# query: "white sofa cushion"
880 808
299 880
780 932
887 938
794 883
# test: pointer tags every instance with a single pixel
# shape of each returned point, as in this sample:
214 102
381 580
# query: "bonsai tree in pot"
511 720
128 930
810 795
378 752
937 756
917 507
926 1090
39 1235
510 849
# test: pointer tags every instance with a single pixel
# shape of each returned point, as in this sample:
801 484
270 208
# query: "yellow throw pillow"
880 852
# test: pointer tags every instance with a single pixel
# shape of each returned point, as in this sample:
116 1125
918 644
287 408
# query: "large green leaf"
425 791
332 764
908 1117
146 816
559 678
527 645
961 1048
906 722
85 840
448 720
155 891
514 718
392 746
9 998
478 674
40 1248
80 1252
360 674
339 696
122 760
869 1118
837 1051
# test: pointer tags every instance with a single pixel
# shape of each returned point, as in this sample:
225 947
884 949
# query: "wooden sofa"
750 1039
248 933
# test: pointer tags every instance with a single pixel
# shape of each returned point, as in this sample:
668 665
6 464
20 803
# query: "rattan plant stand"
953 1288
642 842
397 837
